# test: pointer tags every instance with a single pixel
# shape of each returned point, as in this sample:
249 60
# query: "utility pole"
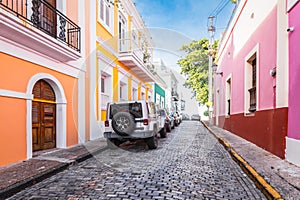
211 30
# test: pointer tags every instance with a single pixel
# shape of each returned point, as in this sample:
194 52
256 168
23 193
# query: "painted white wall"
191 105
282 70
81 77
95 126
253 16
81 108
292 150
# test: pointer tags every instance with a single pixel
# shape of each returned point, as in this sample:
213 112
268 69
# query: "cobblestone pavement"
189 164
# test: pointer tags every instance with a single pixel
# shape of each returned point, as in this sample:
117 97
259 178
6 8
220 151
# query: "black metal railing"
46 18
252 92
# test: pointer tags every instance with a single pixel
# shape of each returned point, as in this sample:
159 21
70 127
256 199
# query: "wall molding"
14 94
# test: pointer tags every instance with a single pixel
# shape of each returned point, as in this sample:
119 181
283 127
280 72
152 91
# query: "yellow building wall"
115 84
104 34
112 40
129 88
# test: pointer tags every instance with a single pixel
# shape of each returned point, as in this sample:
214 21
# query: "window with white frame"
123 42
123 91
228 97
143 96
105 14
105 88
134 94
251 84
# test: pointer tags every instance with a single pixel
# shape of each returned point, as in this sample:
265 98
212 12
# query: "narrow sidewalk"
17 176
277 178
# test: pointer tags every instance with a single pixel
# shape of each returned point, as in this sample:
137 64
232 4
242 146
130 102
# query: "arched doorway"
43 116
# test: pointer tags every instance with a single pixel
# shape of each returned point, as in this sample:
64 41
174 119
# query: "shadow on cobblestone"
190 164
137 158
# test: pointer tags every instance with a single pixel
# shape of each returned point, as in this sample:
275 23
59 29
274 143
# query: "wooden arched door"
43 117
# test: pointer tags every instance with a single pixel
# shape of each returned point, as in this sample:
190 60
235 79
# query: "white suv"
131 120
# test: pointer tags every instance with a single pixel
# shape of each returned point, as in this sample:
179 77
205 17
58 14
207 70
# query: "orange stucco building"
39 66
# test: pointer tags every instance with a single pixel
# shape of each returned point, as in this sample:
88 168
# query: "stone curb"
259 181
17 187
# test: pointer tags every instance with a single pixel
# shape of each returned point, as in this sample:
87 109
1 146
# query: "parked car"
185 117
179 117
172 121
169 121
176 118
131 120
195 117
161 115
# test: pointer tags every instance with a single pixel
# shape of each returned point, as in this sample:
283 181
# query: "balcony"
131 55
39 26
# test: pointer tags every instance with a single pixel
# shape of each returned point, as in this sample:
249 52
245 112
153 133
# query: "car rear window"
162 112
133 108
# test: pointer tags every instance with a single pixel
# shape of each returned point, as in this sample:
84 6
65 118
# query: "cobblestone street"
189 164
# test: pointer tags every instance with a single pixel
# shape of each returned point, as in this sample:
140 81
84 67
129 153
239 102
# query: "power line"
219 7
222 7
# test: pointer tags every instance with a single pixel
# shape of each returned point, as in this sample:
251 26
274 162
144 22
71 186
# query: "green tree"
195 67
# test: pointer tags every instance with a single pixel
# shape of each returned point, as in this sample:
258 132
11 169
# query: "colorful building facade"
61 62
40 62
251 86
293 136
159 95
118 59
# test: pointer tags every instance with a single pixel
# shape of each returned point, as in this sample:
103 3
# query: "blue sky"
177 22
188 17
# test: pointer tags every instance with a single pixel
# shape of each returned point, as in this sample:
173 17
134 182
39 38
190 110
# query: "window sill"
248 114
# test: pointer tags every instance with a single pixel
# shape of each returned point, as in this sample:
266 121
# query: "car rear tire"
123 123
152 142
169 128
163 132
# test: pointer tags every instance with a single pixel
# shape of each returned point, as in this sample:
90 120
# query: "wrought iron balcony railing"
45 17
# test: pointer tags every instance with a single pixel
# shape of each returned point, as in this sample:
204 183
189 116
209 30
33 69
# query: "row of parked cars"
134 120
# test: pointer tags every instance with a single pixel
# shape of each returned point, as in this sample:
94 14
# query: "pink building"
293 137
251 93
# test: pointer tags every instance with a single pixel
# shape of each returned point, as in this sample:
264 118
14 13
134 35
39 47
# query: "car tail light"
145 122
106 123
167 118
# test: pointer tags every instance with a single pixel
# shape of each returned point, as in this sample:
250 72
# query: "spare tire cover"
123 123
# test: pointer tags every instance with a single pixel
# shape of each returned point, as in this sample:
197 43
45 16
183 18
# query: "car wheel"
169 128
123 123
176 123
163 132
152 142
